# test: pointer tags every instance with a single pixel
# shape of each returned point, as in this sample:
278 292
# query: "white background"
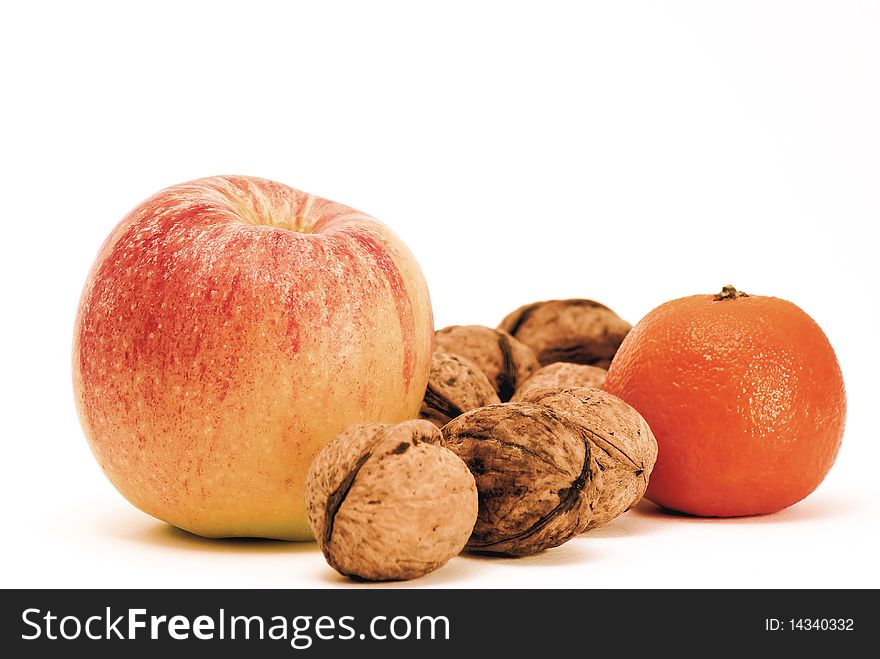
628 152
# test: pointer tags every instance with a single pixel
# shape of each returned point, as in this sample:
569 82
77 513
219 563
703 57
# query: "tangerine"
744 395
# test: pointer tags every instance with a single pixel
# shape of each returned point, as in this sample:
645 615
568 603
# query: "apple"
229 328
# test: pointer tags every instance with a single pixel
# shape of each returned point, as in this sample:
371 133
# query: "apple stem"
730 293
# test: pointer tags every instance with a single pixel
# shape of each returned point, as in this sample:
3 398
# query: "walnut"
535 473
504 360
563 375
389 501
579 331
622 443
455 386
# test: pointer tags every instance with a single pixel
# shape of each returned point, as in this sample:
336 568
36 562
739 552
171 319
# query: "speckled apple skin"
229 328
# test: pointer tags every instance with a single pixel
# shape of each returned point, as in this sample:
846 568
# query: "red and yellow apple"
229 328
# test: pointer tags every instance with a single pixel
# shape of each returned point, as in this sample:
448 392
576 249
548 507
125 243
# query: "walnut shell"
563 375
505 361
535 473
622 442
579 331
389 501
455 386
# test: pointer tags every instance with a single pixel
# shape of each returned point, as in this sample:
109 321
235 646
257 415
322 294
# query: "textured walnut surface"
390 502
505 361
623 444
455 385
563 375
579 331
535 475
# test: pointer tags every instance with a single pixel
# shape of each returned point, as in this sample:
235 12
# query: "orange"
744 395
